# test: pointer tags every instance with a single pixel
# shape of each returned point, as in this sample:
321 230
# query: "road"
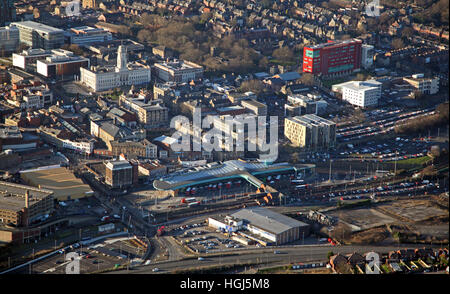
263 257
172 247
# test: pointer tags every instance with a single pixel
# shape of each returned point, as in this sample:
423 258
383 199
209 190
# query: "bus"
190 200
194 203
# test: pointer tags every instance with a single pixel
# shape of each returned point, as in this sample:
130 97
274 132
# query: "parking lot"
203 239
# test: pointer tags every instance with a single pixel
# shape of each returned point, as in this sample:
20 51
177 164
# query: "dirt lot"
362 219
414 210
404 221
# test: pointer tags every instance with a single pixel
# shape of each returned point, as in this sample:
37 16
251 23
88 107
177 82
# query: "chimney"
27 198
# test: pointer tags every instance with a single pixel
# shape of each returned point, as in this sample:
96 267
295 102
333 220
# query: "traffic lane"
265 256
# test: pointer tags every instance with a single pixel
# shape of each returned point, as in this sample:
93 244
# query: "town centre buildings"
123 74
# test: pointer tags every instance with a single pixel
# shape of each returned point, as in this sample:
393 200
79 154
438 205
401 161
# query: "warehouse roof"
268 220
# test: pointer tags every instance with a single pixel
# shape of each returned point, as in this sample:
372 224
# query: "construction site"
390 222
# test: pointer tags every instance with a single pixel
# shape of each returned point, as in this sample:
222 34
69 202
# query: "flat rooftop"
268 220
12 196
311 119
178 65
221 171
38 26
34 52
87 30
118 164
334 44
253 103
363 85
57 179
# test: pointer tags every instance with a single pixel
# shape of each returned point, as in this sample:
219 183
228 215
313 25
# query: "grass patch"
414 161
275 270
281 62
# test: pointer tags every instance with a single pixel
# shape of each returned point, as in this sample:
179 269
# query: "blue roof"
219 171
290 76
261 75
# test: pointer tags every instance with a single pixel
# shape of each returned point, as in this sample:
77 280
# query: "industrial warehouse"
261 225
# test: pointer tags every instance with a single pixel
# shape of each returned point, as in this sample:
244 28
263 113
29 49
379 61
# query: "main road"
263 257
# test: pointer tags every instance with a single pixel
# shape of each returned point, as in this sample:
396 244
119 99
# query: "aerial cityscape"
224 137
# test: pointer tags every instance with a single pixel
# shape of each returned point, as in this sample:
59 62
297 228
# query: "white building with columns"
123 74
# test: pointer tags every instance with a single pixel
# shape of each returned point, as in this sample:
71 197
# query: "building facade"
38 35
144 149
150 114
333 58
422 84
35 97
367 54
28 58
120 173
86 35
61 63
256 107
262 225
310 131
9 39
179 71
360 93
21 205
82 145
124 74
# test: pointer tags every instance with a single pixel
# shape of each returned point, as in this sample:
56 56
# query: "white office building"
360 93
27 58
422 84
86 35
123 74
179 71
